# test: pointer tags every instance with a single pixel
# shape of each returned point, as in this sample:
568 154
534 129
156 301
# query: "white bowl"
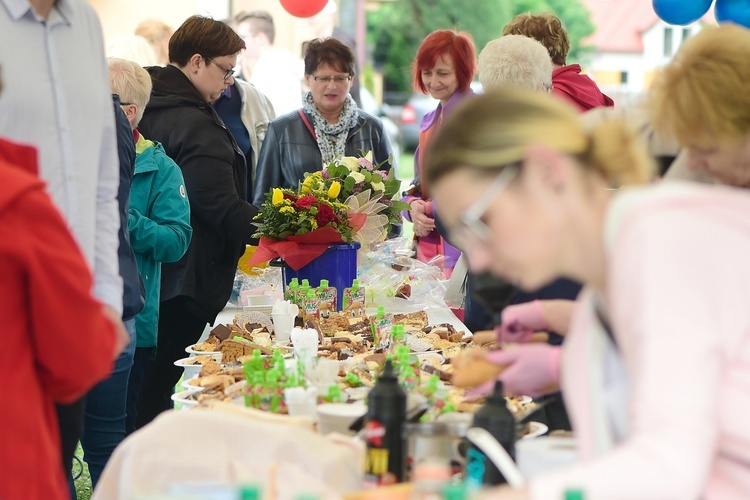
337 417
192 369
191 350
187 383
182 397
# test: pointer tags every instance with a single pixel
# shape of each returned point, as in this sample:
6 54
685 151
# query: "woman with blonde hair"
658 351
701 99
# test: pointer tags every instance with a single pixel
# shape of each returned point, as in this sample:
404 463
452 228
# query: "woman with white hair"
159 212
515 60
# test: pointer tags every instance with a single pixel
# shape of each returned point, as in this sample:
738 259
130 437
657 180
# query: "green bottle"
249 492
574 494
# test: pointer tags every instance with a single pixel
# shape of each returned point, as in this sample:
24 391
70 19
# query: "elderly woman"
654 374
444 67
327 127
515 60
202 53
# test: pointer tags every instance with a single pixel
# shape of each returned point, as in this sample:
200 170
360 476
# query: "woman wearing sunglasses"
328 126
443 68
656 362
179 115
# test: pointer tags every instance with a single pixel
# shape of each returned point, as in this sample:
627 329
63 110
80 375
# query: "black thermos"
386 414
495 418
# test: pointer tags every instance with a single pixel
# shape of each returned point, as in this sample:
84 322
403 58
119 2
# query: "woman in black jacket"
202 53
328 126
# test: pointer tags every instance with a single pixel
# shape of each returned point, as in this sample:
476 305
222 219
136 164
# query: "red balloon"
303 8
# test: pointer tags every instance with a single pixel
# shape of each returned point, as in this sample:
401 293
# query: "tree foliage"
396 29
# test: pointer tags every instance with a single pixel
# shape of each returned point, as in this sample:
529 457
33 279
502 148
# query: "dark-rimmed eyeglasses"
471 229
228 73
338 80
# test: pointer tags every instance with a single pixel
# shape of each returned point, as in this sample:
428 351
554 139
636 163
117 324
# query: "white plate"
253 317
535 429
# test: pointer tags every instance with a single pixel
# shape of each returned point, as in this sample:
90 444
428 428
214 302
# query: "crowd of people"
131 185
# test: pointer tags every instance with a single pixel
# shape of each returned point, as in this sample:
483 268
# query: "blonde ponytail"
495 129
618 154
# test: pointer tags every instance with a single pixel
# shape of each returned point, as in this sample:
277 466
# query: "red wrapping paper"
299 251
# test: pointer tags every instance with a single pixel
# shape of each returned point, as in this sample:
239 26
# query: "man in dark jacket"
202 53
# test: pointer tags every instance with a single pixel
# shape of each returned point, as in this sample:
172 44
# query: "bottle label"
376 457
352 296
475 467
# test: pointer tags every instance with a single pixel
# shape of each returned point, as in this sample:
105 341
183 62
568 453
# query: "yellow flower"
286 210
306 189
277 197
334 190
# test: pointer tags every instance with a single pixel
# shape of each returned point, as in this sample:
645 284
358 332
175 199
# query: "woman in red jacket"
58 340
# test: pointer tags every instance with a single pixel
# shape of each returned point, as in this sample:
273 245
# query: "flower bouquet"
298 227
366 188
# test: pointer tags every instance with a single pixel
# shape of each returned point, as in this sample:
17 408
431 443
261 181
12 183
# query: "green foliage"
396 30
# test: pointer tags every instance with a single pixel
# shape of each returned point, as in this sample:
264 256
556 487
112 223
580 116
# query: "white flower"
368 156
357 176
378 186
351 163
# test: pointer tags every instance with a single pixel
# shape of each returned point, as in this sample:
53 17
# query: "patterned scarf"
332 137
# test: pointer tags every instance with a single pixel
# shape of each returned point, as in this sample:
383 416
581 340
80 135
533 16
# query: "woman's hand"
423 224
520 321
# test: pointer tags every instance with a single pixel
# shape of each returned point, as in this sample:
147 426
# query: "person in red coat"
568 83
58 341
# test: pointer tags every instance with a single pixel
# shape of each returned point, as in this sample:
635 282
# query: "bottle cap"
306 283
355 284
294 283
388 371
381 311
323 283
497 395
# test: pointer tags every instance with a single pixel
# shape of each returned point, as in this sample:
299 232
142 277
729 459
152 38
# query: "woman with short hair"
328 126
202 53
443 68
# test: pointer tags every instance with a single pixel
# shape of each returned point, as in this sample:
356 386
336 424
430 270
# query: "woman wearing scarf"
328 126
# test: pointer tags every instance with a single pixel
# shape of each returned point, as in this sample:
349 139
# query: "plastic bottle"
327 296
496 419
291 290
353 294
386 414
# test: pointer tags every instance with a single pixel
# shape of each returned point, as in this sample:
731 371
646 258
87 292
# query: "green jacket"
159 227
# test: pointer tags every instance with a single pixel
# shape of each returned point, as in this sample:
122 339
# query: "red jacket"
56 342
578 89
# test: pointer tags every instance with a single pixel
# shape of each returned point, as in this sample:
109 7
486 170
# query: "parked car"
370 105
416 107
